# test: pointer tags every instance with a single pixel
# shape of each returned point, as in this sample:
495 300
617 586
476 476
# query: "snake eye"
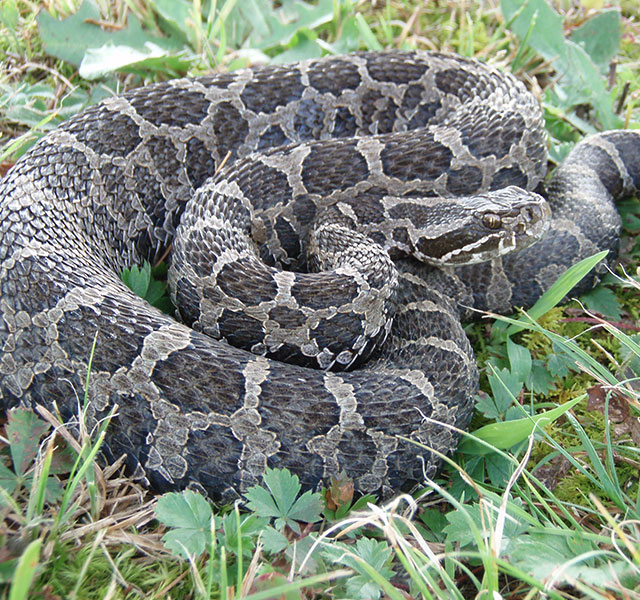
491 221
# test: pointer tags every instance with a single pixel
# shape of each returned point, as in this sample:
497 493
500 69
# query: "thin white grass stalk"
630 546
111 590
616 528
195 573
115 571
496 537
403 548
252 571
416 565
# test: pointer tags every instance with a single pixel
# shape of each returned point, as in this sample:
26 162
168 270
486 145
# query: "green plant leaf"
9 14
547 35
281 500
71 38
578 79
509 433
8 481
190 517
506 388
599 37
137 279
559 363
293 17
25 571
604 301
24 430
273 540
459 531
250 526
539 380
561 287
149 284
519 359
376 554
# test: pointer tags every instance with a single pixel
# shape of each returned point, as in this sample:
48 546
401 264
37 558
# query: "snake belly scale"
342 148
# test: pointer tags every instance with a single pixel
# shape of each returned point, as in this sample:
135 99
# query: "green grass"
530 507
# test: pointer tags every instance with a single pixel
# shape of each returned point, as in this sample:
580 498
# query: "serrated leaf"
540 380
250 526
486 405
137 279
280 501
459 529
8 481
284 487
262 502
499 469
604 301
558 364
155 291
191 517
505 387
376 554
307 508
24 430
273 541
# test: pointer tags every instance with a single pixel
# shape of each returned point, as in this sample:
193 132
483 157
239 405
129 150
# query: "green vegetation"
542 500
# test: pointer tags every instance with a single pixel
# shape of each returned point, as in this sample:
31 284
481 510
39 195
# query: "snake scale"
320 217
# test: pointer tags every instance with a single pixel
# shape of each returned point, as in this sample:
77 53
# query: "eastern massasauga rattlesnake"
385 141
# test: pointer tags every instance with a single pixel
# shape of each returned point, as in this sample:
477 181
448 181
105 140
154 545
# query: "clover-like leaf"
190 517
281 500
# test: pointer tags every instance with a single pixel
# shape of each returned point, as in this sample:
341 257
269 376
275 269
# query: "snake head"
480 228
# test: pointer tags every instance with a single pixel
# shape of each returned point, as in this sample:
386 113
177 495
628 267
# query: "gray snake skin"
328 249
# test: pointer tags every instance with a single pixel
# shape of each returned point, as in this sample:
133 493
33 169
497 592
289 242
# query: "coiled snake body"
323 157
